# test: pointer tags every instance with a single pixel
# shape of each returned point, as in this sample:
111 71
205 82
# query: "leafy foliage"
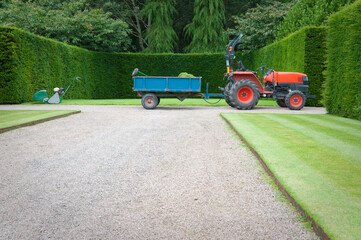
308 13
207 28
259 24
72 22
160 34
303 51
130 12
342 94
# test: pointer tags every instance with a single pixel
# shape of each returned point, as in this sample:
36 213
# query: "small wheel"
281 102
295 100
244 94
150 101
227 92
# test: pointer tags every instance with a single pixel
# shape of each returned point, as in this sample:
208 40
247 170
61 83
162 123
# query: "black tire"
295 100
158 100
149 101
227 92
281 102
244 94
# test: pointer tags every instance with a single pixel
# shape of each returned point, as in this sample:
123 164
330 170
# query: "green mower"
42 95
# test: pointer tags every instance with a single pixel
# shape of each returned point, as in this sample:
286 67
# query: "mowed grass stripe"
11 118
296 139
342 169
329 136
343 122
329 192
9 115
334 123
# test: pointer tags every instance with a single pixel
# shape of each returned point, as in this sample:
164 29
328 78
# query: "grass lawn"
317 158
11 118
163 101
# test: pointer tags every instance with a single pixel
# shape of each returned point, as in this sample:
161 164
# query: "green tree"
160 34
72 22
259 24
308 13
207 28
130 12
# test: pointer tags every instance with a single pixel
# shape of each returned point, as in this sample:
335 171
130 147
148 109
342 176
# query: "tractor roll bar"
230 55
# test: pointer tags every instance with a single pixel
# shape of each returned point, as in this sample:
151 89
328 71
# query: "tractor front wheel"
244 94
281 102
295 100
150 101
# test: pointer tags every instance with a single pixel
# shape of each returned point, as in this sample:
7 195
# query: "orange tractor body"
290 89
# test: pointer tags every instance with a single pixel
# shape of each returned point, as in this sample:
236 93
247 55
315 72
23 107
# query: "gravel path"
122 172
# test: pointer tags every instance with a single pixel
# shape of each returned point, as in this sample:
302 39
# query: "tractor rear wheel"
227 93
281 102
295 100
150 101
244 94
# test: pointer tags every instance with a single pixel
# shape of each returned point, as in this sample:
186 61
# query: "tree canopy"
158 26
207 27
160 34
72 22
259 24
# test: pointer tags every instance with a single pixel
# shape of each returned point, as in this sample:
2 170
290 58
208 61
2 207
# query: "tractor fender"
249 76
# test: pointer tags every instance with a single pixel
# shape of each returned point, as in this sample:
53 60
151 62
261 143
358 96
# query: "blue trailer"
152 88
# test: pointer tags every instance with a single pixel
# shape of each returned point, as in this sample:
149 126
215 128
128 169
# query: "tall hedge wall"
29 63
343 85
303 51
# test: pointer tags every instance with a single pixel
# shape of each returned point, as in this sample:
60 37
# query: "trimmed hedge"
343 86
303 51
29 63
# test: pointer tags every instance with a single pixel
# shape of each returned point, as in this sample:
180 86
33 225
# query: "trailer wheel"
281 102
150 101
244 94
295 100
227 92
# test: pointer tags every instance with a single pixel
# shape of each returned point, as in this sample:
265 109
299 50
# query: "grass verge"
163 101
316 158
11 119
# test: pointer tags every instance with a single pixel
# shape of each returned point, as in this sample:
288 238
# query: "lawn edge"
318 230
37 122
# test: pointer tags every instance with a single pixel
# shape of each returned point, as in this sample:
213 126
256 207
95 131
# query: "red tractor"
245 89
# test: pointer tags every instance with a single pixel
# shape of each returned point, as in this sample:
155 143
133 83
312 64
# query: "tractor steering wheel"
269 71
261 68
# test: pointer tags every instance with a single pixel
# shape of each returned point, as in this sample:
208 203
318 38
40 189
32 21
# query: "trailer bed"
167 84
